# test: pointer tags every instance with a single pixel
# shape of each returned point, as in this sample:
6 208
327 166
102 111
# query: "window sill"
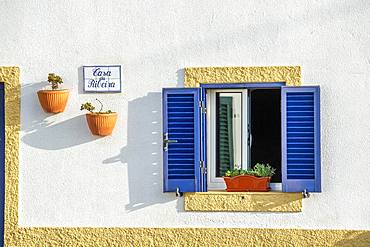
216 201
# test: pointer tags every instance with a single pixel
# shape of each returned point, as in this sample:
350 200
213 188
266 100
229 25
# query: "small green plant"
54 80
89 107
263 170
237 172
259 170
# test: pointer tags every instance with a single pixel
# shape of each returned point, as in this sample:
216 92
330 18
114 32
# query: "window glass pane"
228 132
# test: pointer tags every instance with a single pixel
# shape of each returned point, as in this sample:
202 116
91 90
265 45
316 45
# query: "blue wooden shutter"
301 168
181 139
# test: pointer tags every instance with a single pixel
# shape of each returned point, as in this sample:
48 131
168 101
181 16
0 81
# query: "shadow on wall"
180 74
143 153
39 126
351 239
81 80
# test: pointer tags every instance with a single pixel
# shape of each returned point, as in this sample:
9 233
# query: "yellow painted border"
218 201
10 77
47 236
291 75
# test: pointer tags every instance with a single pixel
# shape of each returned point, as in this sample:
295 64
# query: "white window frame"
217 183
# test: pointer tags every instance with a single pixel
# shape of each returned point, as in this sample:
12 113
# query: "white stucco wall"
70 178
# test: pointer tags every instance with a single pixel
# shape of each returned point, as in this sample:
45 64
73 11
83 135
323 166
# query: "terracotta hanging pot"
101 124
53 101
247 183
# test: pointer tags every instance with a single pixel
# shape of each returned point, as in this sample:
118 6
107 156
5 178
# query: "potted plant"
256 179
102 122
53 100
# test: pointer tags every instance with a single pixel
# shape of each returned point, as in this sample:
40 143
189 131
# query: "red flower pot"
101 124
247 183
53 101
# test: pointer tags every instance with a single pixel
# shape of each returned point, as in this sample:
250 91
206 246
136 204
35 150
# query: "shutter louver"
301 139
225 135
181 120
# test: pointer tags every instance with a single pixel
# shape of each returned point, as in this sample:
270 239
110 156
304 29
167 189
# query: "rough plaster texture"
62 184
243 201
10 77
291 75
102 237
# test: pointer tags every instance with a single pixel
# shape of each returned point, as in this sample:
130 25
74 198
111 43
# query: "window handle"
166 141
250 140
170 141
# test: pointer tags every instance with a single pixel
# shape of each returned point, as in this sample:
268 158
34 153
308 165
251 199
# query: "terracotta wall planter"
101 124
53 101
247 183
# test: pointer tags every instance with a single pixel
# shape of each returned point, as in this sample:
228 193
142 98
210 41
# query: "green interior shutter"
225 135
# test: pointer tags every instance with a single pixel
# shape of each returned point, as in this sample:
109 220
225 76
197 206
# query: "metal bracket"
178 193
305 194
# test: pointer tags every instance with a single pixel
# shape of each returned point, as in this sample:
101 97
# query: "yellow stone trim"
10 77
291 75
49 236
214 201
101 237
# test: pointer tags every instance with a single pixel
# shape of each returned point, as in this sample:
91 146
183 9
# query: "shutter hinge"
202 106
203 169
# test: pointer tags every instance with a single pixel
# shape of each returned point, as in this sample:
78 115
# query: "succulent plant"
90 107
87 106
54 80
